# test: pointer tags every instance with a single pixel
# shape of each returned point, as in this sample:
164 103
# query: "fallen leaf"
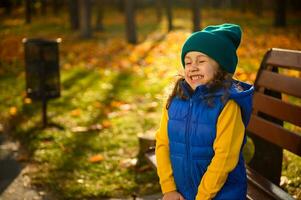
106 123
80 180
94 127
96 158
116 104
126 163
78 129
125 107
13 111
97 104
283 181
76 112
27 100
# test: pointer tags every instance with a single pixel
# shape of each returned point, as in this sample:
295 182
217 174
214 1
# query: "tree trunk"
235 4
28 10
130 21
43 7
73 14
169 14
18 3
226 3
196 15
7 4
85 18
158 10
258 4
243 5
99 16
121 5
216 3
55 6
295 5
280 13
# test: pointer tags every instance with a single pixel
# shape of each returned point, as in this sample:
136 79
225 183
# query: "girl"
202 130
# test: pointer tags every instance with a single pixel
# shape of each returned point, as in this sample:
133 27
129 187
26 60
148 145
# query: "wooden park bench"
272 113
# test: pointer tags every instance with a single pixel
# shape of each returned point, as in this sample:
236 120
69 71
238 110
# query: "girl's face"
199 69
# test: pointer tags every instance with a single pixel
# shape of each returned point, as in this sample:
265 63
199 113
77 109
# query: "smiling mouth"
196 77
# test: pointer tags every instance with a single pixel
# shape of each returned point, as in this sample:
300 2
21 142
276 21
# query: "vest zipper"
188 145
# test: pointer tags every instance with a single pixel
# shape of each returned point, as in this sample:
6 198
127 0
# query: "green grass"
118 86
66 153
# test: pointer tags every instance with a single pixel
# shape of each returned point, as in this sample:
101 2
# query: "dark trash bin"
42 70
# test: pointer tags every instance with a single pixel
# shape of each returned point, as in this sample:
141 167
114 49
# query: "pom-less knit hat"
218 42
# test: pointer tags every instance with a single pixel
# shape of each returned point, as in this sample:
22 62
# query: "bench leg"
267 159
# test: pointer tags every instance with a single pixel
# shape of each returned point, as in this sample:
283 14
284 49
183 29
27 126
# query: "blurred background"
115 61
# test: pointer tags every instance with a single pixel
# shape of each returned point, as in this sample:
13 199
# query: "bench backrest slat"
275 134
277 108
280 83
284 58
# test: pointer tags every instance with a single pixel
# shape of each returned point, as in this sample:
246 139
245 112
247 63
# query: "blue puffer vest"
192 131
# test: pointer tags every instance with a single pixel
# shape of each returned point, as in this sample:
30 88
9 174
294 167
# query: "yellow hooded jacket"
227 144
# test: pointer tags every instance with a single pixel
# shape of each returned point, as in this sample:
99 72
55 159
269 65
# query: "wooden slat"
289 59
277 108
261 188
275 133
254 193
280 83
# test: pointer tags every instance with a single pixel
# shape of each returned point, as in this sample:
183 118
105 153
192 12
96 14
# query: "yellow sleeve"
227 144
164 169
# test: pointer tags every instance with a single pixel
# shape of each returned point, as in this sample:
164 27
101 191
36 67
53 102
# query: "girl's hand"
174 195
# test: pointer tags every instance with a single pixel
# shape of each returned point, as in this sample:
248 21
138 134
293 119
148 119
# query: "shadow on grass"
78 145
73 151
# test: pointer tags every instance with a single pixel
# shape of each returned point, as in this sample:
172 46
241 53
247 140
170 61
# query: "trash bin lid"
41 40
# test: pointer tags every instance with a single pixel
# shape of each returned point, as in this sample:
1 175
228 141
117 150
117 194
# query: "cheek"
210 72
186 72
187 79
210 75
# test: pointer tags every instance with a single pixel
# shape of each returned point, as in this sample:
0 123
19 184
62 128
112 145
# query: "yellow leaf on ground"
13 111
27 100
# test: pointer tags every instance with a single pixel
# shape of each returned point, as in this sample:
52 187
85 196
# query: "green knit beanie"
218 42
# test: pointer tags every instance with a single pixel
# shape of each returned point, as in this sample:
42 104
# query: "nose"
193 67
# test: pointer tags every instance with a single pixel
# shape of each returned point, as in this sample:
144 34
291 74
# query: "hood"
240 92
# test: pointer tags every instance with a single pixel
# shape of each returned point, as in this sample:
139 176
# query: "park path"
14 181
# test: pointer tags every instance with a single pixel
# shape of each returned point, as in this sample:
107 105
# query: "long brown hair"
221 79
